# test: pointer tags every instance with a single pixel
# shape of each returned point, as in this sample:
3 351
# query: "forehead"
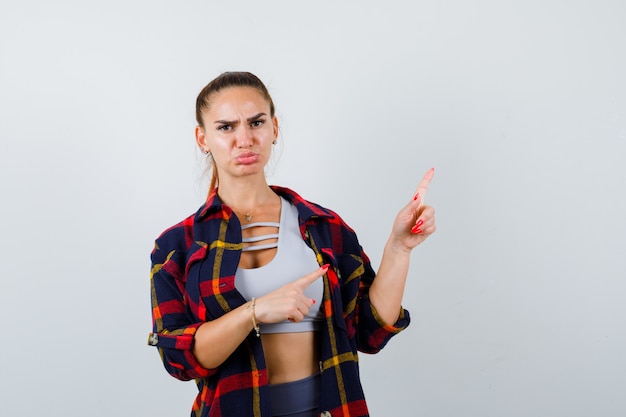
236 100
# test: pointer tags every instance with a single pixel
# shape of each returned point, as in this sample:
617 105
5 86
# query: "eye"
257 123
225 128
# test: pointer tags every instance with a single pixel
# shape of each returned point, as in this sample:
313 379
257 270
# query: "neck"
245 196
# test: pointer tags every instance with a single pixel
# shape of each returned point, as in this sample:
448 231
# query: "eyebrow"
234 122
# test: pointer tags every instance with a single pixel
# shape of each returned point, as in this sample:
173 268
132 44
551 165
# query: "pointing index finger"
309 279
423 185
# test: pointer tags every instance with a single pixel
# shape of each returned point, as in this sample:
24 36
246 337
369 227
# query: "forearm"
216 340
413 224
387 289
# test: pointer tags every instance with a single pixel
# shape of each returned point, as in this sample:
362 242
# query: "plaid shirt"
192 281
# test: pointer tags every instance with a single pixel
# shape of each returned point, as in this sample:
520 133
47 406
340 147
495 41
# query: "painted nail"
416 196
325 266
314 301
419 223
416 229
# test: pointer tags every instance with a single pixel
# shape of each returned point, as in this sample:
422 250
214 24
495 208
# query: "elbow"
177 371
182 365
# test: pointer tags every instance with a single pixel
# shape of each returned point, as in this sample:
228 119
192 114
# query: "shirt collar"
306 209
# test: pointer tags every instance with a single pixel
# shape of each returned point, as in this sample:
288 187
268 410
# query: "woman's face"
238 131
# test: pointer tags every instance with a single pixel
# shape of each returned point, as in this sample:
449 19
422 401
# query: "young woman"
262 297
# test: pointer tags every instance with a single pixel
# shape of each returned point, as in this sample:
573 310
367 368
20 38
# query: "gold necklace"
248 215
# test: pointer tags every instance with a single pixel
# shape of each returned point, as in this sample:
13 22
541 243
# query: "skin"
239 131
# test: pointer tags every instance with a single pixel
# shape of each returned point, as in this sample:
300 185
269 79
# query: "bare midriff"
290 356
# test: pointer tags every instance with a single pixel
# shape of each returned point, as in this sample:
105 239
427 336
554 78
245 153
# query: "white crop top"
293 259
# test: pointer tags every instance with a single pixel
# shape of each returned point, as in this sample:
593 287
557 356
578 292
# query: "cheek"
219 143
219 152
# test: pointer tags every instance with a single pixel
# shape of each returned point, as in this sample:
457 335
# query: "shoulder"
177 237
325 221
307 209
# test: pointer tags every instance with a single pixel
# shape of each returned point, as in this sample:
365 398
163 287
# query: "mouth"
247 158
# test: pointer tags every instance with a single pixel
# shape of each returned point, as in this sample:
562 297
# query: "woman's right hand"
287 302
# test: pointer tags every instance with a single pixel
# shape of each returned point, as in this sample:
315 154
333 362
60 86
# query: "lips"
247 158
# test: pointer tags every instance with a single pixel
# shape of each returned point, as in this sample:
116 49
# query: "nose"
244 137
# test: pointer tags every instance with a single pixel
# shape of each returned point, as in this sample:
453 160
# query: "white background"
517 301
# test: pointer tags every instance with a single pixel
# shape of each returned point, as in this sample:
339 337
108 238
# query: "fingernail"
419 223
325 266
416 229
416 196
314 301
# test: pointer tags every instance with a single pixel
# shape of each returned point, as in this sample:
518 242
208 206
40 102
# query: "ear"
201 138
275 123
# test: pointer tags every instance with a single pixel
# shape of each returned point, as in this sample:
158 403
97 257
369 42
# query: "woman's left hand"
416 221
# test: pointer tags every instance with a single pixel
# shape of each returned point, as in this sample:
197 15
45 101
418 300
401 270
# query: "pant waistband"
295 397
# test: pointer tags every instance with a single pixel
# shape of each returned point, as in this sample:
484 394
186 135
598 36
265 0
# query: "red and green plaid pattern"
192 281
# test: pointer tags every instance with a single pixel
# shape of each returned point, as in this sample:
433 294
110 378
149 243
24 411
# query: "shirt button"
153 339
